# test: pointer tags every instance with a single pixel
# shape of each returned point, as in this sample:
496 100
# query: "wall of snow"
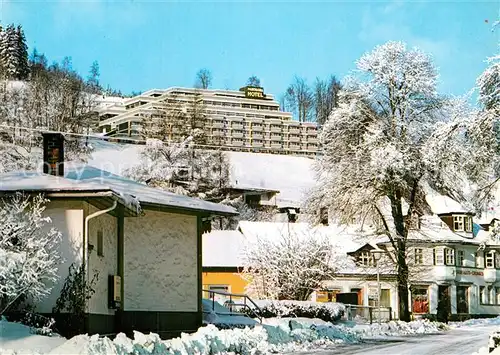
160 262
67 216
105 265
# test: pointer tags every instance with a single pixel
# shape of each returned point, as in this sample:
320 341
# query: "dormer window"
462 223
366 258
458 223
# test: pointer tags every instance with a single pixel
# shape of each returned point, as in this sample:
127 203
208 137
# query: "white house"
448 254
143 243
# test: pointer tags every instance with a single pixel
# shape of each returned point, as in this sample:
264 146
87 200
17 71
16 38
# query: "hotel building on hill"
244 120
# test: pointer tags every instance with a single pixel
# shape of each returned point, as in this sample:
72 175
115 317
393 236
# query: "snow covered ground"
281 335
20 338
293 176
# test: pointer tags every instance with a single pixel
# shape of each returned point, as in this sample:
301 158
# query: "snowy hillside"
291 175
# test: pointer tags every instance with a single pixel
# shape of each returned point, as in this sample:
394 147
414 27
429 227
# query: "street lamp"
377 254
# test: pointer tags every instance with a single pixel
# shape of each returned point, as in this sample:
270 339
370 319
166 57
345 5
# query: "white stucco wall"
161 262
104 265
67 217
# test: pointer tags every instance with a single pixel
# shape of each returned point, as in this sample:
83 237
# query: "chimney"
53 154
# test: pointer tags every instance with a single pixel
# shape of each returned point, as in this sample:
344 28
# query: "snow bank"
20 338
278 336
476 322
398 328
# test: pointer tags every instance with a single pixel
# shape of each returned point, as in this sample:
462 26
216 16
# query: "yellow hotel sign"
253 92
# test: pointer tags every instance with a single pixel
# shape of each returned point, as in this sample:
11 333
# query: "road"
466 340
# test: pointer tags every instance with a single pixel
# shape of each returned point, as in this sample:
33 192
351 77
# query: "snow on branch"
29 255
290 266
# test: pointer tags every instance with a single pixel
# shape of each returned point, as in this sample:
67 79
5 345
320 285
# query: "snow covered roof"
85 178
292 176
223 248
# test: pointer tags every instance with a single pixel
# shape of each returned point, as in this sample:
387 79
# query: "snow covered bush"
329 312
290 266
29 255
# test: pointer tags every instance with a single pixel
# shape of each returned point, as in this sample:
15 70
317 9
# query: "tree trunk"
402 266
404 309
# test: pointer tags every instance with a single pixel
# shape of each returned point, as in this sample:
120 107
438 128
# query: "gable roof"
83 178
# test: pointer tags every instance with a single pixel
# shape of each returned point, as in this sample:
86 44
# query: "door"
462 299
444 304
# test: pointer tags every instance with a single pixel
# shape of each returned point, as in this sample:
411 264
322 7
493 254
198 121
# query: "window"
365 258
468 224
218 288
458 223
483 295
478 260
100 243
462 299
419 299
419 256
498 295
449 255
460 258
438 256
490 259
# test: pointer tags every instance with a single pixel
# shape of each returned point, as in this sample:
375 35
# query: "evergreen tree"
22 53
9 58
93 78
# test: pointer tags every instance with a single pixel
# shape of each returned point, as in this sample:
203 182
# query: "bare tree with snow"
390 136
290 266
203 78
29 256
181 168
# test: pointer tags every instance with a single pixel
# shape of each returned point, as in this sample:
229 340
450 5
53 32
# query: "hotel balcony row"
263 135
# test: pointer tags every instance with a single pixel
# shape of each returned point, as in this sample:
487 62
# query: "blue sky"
155 44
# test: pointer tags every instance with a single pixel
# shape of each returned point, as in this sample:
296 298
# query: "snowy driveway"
466 340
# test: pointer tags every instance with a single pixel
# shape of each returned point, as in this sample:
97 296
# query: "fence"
234 302
367 314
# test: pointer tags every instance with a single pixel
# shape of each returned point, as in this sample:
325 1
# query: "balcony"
257 144
257 128
275 128
312 139
276 145
276 138
237 134
294 138
236 126
312 147
256 135
293 129
236 143
217 124
217 133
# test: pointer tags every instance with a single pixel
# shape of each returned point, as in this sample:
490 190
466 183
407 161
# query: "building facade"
451 260
244 120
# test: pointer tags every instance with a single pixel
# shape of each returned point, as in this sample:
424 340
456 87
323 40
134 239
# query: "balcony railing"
257 135
257 128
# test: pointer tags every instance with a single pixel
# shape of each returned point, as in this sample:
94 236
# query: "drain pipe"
86 235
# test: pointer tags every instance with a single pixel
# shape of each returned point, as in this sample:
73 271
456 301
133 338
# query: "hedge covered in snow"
329 312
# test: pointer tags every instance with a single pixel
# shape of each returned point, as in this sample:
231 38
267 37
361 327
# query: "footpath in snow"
275 336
